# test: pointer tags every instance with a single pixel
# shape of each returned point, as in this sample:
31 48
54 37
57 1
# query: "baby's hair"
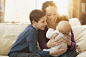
64 27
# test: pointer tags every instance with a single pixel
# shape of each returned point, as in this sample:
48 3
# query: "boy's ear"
34 22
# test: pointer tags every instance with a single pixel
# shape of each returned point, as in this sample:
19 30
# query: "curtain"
70 11
65 7
2 10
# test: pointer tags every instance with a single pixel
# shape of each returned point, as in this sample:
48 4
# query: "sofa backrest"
74 22
8 35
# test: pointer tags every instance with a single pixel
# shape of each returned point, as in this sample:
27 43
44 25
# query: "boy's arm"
32 44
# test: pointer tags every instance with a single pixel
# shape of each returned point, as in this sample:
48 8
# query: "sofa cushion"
8 35
3 56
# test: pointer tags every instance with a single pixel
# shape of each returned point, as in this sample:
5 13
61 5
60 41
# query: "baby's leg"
47 50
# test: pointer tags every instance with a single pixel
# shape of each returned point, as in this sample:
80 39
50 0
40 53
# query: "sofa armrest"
78 50
83 54
80 38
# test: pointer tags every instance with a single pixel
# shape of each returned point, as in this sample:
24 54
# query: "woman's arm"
70 41
73 43
45 43
42 39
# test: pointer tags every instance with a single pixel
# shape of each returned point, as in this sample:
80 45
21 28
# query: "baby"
63 28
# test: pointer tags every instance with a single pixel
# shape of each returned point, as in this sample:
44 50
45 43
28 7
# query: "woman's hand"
58 51
68 39
54 42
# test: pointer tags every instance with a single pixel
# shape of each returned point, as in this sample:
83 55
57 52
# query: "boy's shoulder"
30 28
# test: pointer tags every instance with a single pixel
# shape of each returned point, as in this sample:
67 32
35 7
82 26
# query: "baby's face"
66 31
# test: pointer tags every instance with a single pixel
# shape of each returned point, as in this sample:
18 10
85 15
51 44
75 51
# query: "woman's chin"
52 23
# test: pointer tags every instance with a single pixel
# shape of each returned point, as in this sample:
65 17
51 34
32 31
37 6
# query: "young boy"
26 43
63 28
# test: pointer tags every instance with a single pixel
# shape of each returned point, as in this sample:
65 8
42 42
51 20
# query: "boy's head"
64 27
38 19
35 15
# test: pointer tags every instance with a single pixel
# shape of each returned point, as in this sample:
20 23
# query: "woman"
50 9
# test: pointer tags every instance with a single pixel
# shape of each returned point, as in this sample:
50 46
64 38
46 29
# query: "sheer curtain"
2 10
65 7
70 11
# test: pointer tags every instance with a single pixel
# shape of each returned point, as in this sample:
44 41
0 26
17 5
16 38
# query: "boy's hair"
35 15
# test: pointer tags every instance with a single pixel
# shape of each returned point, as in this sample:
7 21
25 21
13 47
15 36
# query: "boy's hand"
58 51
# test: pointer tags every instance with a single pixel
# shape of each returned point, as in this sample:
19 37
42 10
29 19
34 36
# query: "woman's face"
51 13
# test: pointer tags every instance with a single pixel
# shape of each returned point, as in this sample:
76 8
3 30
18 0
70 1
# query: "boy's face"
41 23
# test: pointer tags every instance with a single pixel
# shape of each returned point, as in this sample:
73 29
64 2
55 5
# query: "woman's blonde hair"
62 18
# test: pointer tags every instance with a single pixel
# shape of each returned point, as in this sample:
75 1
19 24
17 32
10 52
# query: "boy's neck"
34 27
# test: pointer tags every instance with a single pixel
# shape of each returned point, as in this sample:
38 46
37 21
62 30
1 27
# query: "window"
18 10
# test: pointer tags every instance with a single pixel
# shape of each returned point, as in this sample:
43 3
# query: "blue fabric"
27 42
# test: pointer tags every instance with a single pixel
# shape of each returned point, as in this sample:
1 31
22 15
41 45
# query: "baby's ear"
59 30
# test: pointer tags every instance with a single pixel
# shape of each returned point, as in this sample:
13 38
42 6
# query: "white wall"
40 2
18 10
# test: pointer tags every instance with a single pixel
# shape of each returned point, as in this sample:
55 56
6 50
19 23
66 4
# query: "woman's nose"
52 17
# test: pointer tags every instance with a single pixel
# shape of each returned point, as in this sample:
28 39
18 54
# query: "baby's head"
64 27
